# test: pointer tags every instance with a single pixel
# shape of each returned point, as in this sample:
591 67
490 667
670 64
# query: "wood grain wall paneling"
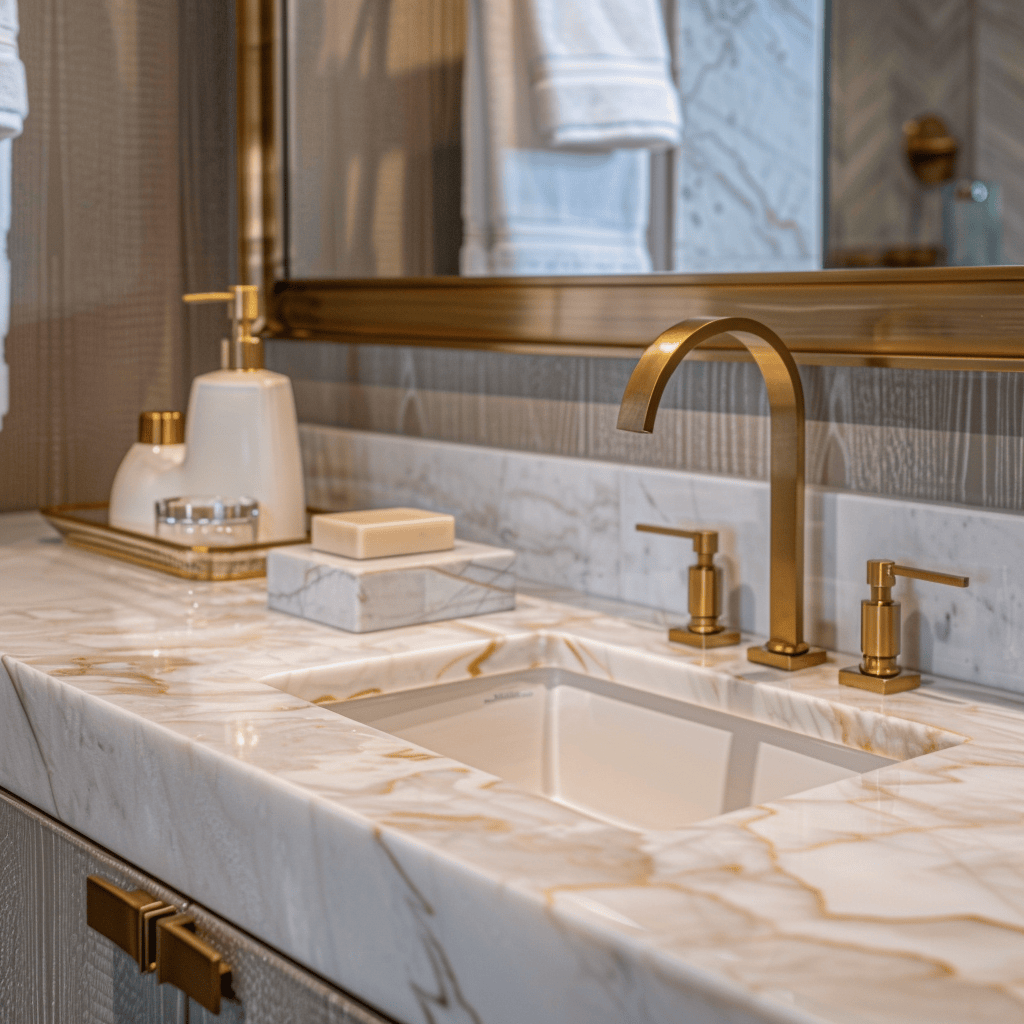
113 217
953 436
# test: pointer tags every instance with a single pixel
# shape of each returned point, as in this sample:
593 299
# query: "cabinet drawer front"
54 968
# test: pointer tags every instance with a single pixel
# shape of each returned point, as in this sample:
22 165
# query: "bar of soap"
383 532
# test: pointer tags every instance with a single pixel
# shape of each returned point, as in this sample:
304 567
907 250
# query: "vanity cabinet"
55 969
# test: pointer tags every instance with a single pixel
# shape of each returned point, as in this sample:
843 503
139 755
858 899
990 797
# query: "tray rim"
211 563
65 514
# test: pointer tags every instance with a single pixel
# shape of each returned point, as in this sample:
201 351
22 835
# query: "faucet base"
787 662
853 676
705 641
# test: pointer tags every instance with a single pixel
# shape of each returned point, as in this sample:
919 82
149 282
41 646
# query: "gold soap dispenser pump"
880 626
242 350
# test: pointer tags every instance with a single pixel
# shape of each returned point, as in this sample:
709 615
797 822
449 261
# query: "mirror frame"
935 318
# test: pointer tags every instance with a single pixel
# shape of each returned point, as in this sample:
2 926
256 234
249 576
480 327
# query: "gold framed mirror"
936 317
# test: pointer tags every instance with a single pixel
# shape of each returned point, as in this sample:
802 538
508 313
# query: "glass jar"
207 521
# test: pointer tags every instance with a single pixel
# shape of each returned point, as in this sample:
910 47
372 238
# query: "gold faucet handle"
705 542
931 577
880 627
883 572
704 630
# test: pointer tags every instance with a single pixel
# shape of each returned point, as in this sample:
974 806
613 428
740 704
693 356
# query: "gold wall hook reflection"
786 649
880 626
704 630
931 149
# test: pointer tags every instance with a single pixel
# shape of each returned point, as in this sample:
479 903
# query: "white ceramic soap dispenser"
142 475
241 434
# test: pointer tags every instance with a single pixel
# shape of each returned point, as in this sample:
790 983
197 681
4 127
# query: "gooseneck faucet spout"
786 648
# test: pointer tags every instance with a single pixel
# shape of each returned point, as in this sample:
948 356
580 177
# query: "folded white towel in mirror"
601 74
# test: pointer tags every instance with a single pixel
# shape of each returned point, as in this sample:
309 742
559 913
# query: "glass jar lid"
206 510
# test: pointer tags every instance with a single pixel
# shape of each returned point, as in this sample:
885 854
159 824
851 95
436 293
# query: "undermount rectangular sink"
630 758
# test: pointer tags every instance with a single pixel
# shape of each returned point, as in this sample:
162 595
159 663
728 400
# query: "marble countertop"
136 709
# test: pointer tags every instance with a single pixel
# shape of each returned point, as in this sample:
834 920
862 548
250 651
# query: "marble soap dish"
363 594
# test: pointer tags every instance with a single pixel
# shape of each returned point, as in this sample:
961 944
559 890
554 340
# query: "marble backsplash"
572 523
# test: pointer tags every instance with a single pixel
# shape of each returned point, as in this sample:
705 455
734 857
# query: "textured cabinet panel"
54 969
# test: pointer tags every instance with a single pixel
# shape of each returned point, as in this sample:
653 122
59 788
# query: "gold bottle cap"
161 428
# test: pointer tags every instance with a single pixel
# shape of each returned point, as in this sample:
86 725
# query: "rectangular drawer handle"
128 919
184 960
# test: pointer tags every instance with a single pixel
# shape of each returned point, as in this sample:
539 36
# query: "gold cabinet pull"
879 670
128 919
704 630
185 961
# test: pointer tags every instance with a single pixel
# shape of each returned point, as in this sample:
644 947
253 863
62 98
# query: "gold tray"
86 527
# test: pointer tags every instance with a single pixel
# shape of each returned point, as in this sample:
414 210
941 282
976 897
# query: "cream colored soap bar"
380 532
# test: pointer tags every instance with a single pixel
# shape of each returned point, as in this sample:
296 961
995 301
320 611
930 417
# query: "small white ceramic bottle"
145 473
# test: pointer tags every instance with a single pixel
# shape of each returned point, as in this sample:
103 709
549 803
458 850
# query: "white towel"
601 74
528 209
13 110
13 90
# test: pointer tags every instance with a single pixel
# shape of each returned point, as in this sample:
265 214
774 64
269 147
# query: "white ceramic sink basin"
624 756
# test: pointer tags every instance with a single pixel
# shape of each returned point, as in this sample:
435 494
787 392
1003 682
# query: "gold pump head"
244 351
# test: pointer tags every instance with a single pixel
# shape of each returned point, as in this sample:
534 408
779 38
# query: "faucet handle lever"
704 630
879 670
931 577
705 542
882 573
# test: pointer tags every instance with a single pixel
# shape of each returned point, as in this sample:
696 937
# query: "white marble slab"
749 173
362 596
173 723
573 524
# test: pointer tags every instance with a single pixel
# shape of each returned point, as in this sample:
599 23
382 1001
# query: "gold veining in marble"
889 898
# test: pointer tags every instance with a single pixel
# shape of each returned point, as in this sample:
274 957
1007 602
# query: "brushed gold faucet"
786 648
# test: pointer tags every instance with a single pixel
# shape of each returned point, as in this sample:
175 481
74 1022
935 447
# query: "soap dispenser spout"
244 350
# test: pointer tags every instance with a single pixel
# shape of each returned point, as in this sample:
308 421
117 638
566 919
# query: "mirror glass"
546 137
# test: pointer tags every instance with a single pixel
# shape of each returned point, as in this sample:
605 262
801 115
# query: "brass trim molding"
936 318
